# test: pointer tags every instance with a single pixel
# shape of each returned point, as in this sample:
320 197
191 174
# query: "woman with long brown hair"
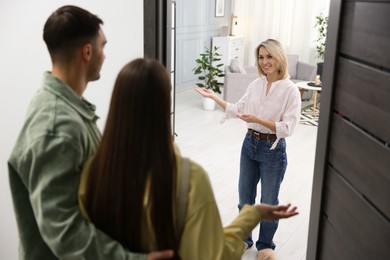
129 189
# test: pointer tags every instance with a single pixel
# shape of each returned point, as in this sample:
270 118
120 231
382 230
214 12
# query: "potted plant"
321 24
208 70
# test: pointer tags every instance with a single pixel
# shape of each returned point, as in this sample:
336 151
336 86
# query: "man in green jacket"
59 134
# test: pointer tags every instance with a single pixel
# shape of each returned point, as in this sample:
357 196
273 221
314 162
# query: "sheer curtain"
289 21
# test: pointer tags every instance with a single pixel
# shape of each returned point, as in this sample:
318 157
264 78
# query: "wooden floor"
216 147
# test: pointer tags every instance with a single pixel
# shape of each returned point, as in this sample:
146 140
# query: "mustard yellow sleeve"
203 235
82 192
239 230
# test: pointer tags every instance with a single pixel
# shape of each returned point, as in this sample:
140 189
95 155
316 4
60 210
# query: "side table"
304 85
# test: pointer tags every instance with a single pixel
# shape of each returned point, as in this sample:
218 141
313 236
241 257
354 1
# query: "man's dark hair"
69 27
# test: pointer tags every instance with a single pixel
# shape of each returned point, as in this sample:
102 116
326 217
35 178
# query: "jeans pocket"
280 146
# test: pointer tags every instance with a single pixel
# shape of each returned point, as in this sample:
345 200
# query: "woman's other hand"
248 118
270 212
205 92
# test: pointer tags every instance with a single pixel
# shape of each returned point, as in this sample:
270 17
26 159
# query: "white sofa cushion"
241 68
236 66
292 65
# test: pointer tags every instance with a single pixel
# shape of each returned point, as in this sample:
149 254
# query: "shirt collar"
64 92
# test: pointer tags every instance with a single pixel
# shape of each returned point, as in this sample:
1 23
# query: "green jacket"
59 134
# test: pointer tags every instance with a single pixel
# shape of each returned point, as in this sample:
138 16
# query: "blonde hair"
277 52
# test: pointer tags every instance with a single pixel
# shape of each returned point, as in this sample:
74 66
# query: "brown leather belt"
259 135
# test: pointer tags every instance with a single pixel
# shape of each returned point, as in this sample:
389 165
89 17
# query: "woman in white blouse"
271 107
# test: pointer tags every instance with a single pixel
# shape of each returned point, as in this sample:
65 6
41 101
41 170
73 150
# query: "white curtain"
289 21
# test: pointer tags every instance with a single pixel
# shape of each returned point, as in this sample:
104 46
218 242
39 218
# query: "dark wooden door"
350 214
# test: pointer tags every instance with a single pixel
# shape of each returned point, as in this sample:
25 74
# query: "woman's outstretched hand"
205 92
270 212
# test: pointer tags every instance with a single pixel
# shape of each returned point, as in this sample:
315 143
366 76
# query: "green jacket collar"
64 92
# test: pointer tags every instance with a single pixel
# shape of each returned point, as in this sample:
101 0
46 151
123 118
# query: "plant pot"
208 104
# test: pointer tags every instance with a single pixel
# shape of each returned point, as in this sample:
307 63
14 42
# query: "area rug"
308 117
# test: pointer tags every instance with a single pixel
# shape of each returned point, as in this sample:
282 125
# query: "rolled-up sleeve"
291 116
233 110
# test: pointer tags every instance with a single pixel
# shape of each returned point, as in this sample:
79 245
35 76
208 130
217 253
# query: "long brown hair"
136 145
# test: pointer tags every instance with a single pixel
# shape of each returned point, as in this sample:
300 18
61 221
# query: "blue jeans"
259 163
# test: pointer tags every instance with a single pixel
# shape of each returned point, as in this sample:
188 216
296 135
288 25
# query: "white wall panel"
24 58
196 24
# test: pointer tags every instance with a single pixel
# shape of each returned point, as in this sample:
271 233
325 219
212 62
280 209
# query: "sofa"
237 77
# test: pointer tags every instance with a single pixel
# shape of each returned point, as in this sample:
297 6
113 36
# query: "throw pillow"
241 68
234 66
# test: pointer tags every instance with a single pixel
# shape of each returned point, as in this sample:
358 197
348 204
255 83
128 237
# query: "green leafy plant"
321 25
208 69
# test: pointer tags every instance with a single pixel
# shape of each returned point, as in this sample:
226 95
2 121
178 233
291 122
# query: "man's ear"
87 51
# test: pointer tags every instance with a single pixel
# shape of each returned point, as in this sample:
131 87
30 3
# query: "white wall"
289 21
24 58
196 24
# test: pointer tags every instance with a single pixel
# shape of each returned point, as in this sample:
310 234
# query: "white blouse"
282 105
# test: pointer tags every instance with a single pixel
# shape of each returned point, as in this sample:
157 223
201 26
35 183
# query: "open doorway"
217 147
